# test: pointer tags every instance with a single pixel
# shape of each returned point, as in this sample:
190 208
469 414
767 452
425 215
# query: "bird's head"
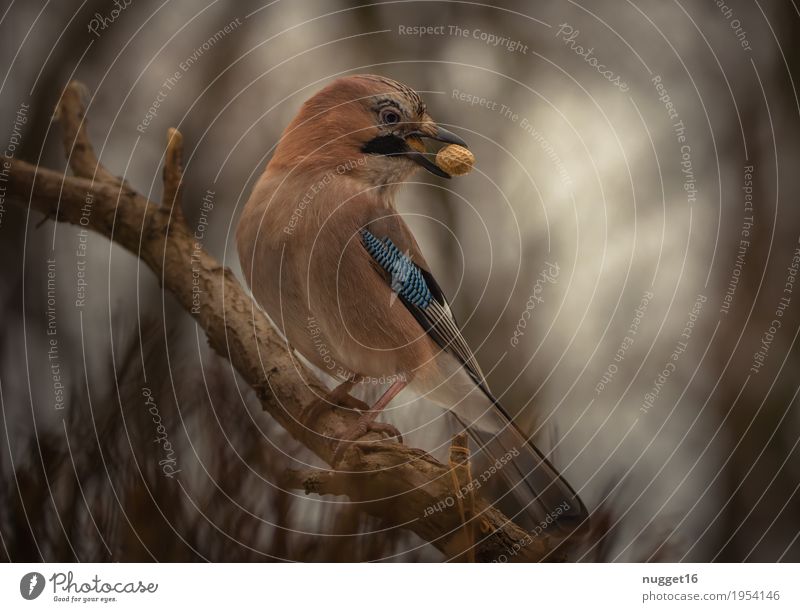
367 126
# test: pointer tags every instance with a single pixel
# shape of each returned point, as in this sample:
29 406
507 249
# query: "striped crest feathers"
411 96
332 125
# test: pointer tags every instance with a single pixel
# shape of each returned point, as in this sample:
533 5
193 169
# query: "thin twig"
173 174
70 113
462 489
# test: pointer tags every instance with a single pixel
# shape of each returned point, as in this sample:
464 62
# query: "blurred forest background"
620 153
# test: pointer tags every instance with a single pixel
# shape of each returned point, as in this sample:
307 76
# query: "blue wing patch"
424 299
407 280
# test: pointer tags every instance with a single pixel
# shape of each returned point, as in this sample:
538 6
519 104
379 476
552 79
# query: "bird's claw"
339 397
387 429
362 427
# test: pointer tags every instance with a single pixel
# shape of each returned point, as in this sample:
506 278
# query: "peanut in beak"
455 160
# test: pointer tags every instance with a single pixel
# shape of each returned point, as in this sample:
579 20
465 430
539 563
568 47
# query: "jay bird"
335 267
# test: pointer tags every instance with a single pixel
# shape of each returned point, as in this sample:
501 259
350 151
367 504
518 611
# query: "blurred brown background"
614 140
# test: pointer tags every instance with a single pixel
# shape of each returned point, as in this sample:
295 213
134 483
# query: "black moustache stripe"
386 145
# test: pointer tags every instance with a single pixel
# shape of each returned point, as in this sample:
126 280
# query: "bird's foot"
366 423
340 396
387 429
337 397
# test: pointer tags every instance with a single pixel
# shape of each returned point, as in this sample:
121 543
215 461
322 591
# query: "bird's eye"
390 117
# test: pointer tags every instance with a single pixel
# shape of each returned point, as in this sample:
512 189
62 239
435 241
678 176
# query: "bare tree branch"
391 481
70 112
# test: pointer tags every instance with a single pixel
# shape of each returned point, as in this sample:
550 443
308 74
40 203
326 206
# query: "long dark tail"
514 475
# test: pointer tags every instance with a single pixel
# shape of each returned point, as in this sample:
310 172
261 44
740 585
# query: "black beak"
446 136
422 159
